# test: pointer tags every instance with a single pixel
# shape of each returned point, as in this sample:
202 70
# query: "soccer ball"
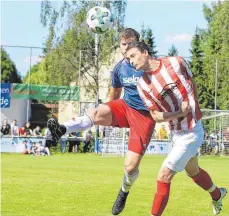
99 19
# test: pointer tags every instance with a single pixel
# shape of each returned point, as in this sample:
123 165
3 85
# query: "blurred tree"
9 73
173 51
149 39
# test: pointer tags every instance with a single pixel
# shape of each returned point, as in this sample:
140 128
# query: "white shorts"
185 146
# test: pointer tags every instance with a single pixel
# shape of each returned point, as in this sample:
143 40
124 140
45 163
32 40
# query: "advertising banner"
40 92
16 145
5 95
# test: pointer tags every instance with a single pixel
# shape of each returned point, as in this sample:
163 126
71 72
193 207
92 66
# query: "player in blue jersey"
128 112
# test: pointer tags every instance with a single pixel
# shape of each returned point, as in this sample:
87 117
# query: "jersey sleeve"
147 99
185 70
115 79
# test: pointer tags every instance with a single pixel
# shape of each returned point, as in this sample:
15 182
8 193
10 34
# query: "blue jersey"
124 75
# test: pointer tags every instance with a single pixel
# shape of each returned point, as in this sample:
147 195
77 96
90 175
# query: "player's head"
138 53
126 37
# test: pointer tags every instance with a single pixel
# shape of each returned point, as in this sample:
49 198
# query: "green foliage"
173 51
206 99
149 39
9 73
210 53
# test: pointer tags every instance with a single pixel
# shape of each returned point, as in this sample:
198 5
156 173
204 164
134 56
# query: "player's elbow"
157 116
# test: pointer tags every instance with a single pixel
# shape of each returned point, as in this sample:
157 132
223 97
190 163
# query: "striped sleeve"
147 99
184 67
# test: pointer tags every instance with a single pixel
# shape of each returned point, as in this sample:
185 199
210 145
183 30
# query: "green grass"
86 185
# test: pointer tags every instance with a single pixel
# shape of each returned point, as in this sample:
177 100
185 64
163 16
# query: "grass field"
86 185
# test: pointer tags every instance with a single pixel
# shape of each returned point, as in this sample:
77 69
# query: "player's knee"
100 115
165 175
192 171
131 168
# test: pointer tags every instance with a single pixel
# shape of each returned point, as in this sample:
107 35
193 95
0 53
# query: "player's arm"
168 116
115 93
116 85
188 74
156 112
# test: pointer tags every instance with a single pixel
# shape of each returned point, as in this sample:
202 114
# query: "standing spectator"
162 133
28 129
102 131
73 142
48 136
226 134
212 141
5 129
225 143
87 141
14 128
37 131
63 143
22 131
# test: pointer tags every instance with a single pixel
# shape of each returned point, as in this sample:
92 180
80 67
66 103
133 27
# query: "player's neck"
153 65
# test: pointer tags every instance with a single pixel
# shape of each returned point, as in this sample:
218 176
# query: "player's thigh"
141 129
182 152
132 162
102 115
192 167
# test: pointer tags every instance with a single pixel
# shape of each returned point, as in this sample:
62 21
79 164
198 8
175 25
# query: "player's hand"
185 108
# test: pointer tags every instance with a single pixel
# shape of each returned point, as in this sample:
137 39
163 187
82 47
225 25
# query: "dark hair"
141 46
129 33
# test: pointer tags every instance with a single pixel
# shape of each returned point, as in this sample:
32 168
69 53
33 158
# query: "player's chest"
128 78
161 88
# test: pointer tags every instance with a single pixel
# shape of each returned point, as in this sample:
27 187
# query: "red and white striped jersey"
166 88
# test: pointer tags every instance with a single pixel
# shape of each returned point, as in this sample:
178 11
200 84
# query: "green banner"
40 92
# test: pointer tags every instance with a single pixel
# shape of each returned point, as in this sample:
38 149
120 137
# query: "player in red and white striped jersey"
169 86
169 92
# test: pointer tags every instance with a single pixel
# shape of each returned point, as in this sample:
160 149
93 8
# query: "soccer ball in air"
99 19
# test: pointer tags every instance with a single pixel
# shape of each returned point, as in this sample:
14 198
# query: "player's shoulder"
171 58
122 63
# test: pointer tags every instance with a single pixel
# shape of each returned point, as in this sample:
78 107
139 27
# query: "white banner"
119 146
15 144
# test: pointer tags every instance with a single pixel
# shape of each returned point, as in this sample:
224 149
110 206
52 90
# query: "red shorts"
141 124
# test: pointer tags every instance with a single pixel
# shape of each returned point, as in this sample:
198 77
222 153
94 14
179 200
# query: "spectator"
225 143
213 139
22 131
102 131
63 143
87 141
162 133
73 142
33 149
28 129
42 150
26 147
5 129
226 135
48 136
37 131
14 128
